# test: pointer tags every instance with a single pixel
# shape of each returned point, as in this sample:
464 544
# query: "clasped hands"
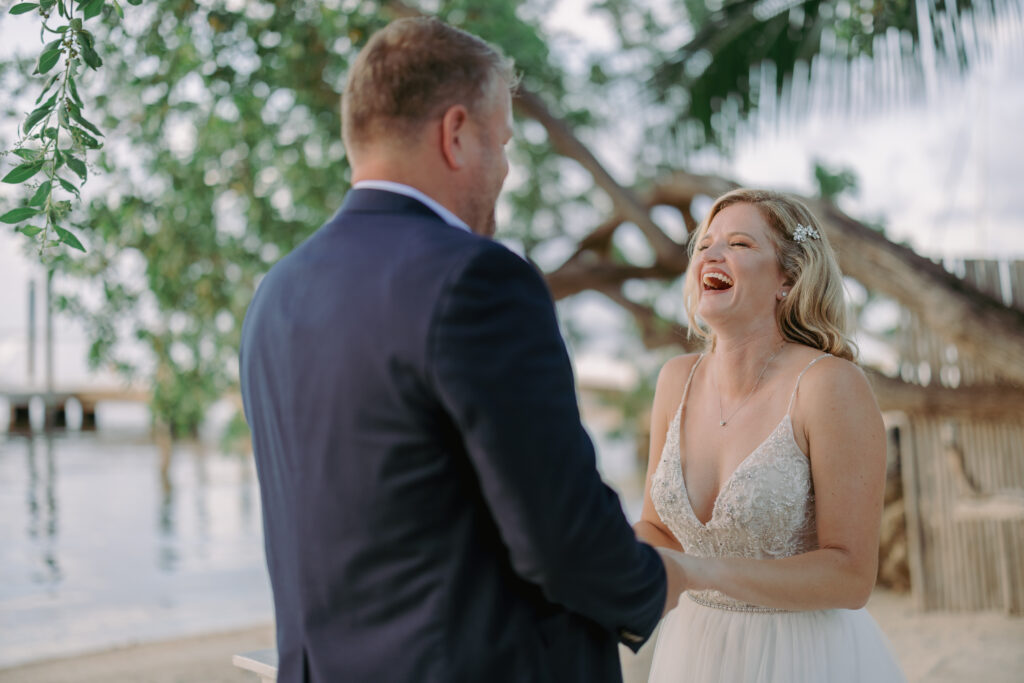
682 574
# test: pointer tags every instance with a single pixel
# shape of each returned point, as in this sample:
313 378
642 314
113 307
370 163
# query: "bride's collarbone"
701 427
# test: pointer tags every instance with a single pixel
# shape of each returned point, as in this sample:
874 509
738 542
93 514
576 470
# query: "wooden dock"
19 400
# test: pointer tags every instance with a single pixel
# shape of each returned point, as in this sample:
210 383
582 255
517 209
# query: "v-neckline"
714 507
786 419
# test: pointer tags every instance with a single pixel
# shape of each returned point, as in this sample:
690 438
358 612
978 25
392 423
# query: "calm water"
99 548
102 546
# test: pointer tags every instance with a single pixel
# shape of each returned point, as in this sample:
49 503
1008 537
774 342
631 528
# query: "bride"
767 462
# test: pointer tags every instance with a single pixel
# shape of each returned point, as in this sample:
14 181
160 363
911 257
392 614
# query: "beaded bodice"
765 509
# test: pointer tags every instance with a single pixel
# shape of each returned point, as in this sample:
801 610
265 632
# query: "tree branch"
627 204
656 332
975 401
582 273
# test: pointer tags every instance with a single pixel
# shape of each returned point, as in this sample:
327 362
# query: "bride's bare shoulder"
835 384
677 367
673 376
834 374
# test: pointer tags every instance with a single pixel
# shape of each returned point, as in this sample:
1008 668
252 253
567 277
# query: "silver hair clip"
805 232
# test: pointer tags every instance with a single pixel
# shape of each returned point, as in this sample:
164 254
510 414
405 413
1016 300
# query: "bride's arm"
846 442
667 395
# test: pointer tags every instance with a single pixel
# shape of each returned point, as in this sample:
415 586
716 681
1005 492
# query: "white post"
31 332
51 408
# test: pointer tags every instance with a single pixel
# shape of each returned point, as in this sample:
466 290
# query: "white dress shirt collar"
399 188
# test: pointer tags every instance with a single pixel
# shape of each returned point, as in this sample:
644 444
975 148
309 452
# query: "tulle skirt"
700 644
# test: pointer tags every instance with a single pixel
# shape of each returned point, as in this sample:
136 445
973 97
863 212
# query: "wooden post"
908 449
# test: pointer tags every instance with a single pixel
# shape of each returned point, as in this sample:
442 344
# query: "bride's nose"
713 253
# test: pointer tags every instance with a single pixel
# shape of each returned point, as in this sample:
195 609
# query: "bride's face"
739 279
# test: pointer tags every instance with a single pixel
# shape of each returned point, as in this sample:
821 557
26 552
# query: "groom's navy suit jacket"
432 510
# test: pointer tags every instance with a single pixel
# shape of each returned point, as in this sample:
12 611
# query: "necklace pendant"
721 423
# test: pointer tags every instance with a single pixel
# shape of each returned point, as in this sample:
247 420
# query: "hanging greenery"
56 137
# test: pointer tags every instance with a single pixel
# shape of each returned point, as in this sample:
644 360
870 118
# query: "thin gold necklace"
723 420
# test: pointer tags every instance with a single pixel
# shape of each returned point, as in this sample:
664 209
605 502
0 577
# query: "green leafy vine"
55 135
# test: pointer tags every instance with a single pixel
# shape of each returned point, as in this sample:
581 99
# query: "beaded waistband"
718 600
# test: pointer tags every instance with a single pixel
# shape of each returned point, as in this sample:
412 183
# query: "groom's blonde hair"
814 312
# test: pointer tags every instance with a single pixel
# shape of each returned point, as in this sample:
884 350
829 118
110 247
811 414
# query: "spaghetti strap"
686 387
799 377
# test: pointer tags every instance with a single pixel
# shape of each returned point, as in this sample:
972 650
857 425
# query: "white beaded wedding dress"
764 510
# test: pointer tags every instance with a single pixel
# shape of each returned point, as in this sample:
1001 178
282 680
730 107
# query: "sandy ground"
939 647
200 659
933 647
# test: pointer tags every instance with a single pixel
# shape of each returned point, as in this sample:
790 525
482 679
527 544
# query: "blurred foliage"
836 183
832 183
223 146
701 56
226 154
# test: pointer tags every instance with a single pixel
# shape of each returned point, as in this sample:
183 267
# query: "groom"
432 511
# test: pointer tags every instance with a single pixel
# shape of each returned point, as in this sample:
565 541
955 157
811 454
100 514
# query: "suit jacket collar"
365 200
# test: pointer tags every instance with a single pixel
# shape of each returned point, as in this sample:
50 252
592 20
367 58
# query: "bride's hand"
676 572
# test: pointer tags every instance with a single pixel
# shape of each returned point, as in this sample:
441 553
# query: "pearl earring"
785 294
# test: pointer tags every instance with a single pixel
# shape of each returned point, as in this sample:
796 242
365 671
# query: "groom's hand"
675 572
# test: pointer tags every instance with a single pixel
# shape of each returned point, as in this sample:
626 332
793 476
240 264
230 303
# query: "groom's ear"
453 136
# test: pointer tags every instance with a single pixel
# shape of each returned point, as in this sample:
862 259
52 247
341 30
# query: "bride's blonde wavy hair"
814 312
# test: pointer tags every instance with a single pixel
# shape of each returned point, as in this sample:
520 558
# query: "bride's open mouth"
716 281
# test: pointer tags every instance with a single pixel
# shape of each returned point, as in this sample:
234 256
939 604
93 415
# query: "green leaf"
29 230
32 119
67 185
23 172
117 8
50 132
47 4
28 154
91 8
76 114
84 138
23 7
18 215
76 165
86 37
69 239
37 115
49 84
90 56
73 87
41 194
47 61
135 3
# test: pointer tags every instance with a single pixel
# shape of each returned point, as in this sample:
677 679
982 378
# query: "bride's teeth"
712 279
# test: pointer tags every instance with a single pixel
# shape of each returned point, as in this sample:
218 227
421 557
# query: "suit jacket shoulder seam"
481 250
